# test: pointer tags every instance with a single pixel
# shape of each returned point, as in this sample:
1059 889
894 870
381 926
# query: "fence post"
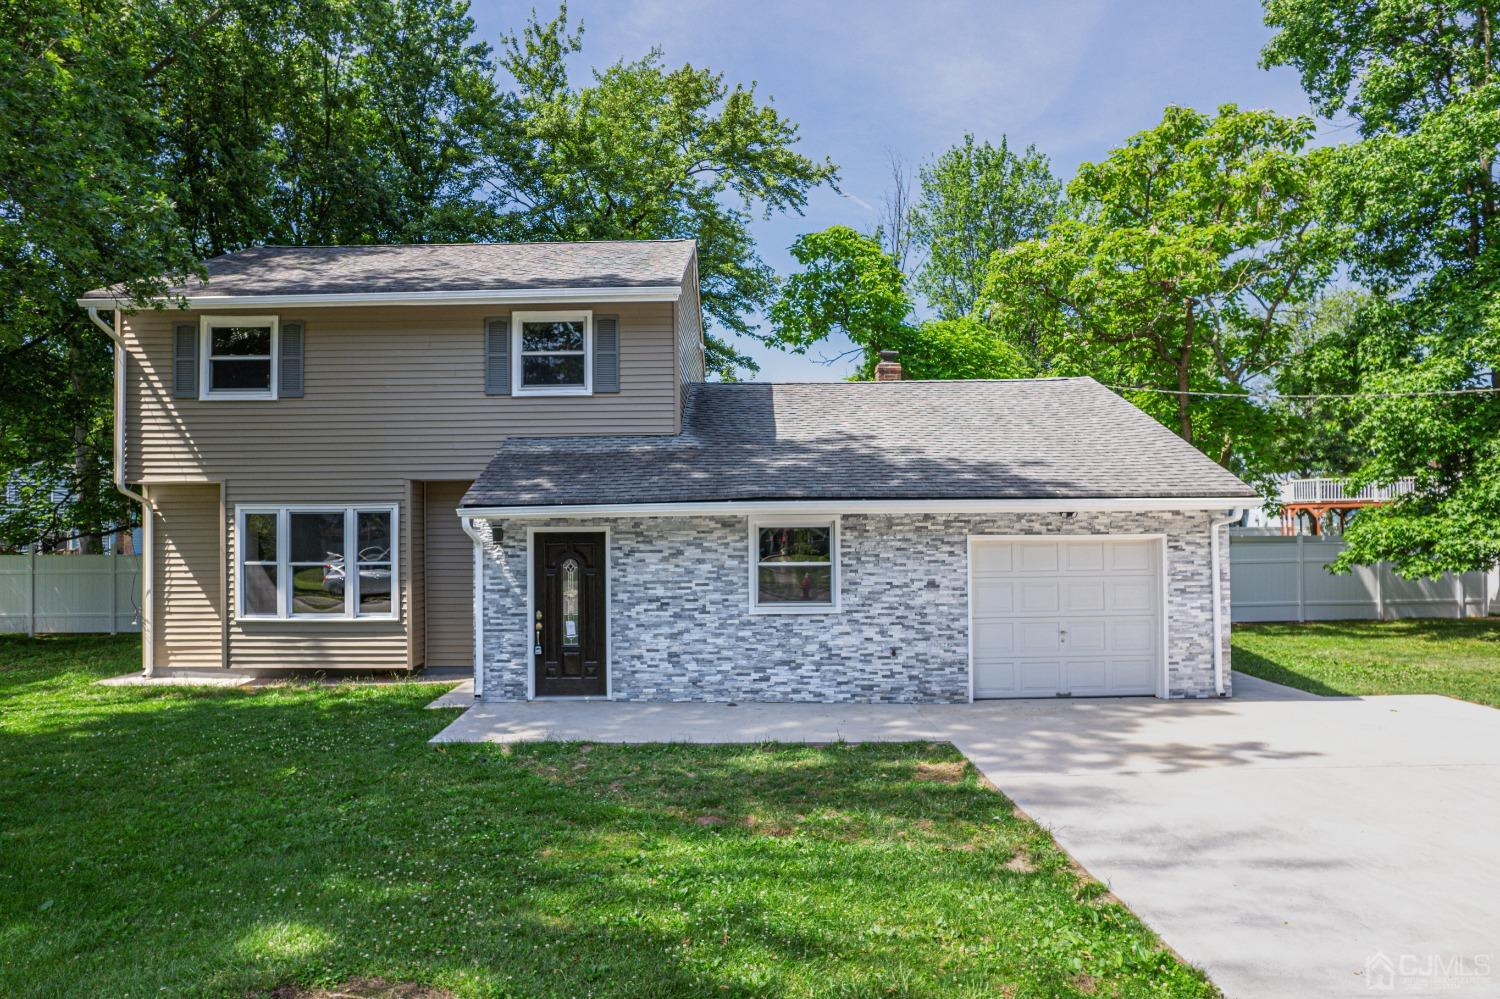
114 589
1301 608
1380 591
31 593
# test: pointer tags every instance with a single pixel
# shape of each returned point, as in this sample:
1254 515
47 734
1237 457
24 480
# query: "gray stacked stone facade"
680 627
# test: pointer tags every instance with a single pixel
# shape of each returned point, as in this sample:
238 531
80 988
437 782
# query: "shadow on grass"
1265 668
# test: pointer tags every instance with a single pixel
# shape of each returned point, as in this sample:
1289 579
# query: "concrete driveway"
1288 845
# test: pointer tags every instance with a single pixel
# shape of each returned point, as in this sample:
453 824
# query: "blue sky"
1072 76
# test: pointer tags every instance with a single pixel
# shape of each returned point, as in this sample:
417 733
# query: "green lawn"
174 841
1457 658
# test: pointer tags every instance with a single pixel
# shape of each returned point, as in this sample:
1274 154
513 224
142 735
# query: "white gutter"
148 531
467 523
1217 588
477 296
746 507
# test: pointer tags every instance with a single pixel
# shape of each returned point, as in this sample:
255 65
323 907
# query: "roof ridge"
917 381
406 246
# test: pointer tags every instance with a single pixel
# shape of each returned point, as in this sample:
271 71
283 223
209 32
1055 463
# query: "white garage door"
1053 616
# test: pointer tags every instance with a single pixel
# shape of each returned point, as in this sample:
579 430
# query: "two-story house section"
304 431
507 457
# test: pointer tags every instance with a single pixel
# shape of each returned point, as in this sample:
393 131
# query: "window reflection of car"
372 579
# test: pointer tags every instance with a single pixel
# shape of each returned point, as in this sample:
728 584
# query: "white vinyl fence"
1285 579
41 594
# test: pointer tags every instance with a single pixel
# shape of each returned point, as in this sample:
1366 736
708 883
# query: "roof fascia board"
501 296
1087 504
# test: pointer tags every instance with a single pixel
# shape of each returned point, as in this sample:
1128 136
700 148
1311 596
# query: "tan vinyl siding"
391 392
689 323
450 578
416 577
186 624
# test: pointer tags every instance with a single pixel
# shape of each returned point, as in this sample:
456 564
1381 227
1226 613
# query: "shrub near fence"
50 594
1276 578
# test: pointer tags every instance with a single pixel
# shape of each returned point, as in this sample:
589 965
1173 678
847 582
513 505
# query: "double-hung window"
794 566
552 353
238 357
317 562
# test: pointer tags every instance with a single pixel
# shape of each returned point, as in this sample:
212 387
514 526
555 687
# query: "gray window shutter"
606 353
497 355
185 360
289 375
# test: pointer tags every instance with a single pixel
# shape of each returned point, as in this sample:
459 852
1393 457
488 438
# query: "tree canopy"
1418 195
974 199
1175 270
848 285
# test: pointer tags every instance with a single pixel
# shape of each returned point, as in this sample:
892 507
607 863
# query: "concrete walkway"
1289 845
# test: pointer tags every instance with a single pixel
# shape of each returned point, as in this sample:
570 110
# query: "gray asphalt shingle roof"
328 270
1063 438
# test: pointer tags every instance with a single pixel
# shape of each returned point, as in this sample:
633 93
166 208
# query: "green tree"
1419 192
848 286
1176 270
977 198
1321 367
81 204
644 152
140 137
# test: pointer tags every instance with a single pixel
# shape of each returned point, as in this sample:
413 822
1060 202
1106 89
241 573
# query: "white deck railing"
1334 490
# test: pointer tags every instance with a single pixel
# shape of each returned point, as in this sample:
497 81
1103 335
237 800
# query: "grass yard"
175 841
1457 658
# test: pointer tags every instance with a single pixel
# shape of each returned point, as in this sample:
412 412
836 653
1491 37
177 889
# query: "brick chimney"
889 368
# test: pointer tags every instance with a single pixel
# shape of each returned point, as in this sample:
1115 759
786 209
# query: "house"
393 457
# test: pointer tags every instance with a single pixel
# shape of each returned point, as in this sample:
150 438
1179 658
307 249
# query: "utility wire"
1491 390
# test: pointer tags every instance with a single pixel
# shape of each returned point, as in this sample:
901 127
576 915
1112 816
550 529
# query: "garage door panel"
1040 676
1131 595
1083 556
1083 596
994 596
1085 676
1132 636
1087 635
993 558
1040 596
1036 557
1037 637
994 640
1132 676
1132 556
996 679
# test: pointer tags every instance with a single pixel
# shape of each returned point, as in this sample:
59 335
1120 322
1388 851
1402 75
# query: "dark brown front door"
568 620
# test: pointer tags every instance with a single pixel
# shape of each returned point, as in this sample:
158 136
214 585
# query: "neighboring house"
391 457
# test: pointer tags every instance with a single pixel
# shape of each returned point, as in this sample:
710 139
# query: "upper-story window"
239 357
552 353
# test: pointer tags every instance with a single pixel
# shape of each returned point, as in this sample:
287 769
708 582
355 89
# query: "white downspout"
148 532
1218 589
467 523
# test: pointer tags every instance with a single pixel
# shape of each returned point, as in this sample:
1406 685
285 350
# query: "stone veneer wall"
681 629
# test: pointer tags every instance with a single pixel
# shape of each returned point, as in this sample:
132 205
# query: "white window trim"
283 558
517 386
835 547
205 357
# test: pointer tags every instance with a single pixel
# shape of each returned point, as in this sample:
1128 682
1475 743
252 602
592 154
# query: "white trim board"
836 507
478 296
